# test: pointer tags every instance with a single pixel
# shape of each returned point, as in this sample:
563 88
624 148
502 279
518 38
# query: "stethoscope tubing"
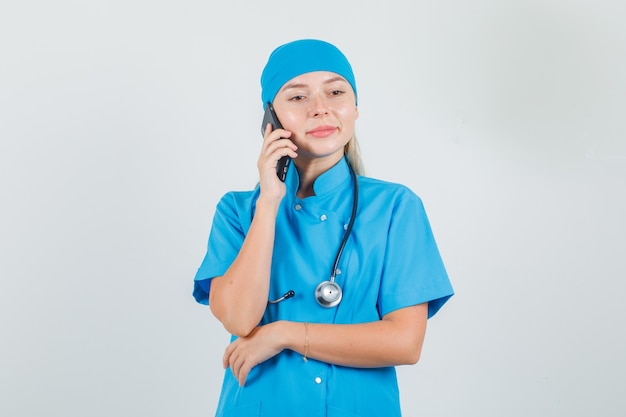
346 235
328 293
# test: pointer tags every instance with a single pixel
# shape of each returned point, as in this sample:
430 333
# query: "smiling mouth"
322 131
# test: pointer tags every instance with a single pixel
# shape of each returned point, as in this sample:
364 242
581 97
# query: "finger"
226 359
282 146
268 129
279 148
235 368
274 135
243 375
241 367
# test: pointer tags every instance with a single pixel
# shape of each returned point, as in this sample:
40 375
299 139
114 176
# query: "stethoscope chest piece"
328 294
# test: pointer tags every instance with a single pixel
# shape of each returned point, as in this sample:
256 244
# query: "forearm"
239 298
395 340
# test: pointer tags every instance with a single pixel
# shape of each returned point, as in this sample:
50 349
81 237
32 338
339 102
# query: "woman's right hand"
276 144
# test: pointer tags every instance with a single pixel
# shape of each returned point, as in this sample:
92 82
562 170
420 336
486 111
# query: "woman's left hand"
247 352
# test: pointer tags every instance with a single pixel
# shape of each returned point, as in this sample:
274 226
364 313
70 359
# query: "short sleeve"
413 271
225 240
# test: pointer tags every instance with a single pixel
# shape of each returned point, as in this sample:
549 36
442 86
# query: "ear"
356 111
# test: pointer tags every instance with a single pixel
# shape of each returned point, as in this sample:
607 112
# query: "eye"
336 92
296 98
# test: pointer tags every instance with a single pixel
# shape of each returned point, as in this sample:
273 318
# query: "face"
319 109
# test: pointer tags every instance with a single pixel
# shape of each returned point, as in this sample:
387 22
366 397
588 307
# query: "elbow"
408 330
410 351
234 323
408 356
239 329
413 356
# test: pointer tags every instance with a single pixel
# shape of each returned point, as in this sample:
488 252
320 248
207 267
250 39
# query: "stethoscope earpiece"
328 294
285 296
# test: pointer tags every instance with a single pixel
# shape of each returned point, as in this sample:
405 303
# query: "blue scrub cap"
299 57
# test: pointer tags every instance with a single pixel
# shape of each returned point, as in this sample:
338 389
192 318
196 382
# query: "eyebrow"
302 85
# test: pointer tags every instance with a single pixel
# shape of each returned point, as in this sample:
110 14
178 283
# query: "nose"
319 107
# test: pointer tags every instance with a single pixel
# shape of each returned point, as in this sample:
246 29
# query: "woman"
325 281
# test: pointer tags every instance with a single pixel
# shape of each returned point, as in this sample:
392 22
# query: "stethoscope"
328 293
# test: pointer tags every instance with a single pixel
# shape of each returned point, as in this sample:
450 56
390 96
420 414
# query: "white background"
123 122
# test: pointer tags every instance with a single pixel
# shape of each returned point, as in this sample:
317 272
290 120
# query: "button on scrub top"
390 261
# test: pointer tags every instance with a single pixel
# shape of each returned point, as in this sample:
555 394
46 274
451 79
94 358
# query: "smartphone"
270 117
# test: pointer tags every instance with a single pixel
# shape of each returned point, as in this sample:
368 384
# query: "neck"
309 171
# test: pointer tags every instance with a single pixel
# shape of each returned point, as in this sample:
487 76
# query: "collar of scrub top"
326 183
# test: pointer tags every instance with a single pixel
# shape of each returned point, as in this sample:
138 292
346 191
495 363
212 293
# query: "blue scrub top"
390 261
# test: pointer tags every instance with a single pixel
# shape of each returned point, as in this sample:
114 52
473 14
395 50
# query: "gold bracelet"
306 341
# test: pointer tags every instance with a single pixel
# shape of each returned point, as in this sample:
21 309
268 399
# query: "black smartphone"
270 117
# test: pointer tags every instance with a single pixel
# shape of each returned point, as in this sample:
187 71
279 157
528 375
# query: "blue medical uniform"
390 261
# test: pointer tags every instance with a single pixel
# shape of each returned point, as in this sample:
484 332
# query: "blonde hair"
353 154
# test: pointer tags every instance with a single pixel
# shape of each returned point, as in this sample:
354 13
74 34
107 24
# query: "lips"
322 131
